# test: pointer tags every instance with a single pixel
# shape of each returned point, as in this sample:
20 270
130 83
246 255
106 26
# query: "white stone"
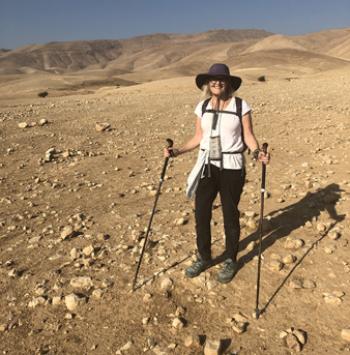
293 243
250 246
166 284
97 294
332 300
334 235
102 126
177 323
67 232
275 265
181 221
56 300
73 301
212 347
289 259
301 336
345 334
81 282
88 250
23 125
127 346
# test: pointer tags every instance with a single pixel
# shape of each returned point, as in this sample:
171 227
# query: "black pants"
229 183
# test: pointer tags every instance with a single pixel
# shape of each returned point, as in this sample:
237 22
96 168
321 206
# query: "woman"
223 131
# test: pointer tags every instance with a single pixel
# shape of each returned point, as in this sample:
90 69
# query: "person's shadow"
281 224
286 220
283 221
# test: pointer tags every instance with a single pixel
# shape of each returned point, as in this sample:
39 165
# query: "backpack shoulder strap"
239 114
205 104
239 107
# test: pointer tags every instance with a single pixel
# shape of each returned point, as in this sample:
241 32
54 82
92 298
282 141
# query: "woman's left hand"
264 157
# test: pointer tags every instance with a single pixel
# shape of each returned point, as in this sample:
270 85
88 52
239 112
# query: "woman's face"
218 86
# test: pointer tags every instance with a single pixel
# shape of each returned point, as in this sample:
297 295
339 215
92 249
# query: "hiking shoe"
228 271
197 267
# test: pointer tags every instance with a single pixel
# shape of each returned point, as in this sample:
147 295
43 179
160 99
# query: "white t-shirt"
229 129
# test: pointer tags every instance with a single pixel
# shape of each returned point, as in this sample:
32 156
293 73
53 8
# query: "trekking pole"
169 145
263 178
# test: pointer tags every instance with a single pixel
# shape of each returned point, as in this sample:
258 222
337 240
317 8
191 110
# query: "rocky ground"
78 176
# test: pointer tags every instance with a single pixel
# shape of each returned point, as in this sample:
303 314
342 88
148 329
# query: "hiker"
223 130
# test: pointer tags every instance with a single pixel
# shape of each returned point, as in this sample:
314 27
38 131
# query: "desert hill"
71 56
64 67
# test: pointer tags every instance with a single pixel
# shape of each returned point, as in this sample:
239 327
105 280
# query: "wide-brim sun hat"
216 71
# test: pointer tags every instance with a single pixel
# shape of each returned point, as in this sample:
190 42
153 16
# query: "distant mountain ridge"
77 55
160 56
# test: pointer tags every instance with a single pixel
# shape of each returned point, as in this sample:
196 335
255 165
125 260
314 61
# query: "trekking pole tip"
256 314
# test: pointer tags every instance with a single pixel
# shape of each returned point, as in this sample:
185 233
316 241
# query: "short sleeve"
245 107
198 109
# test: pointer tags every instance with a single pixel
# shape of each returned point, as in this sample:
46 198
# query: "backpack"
238 113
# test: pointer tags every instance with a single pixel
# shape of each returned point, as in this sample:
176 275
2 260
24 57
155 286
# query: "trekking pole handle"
264 148
169 143
263 177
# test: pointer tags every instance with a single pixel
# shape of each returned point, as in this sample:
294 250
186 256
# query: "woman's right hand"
171 152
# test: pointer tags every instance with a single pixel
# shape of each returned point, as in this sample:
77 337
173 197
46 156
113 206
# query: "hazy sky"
39 21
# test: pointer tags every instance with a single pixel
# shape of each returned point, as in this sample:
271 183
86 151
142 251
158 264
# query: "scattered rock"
166 284
73 301
88 250
289 259
178 323
67 232
250 246
250 214
127 346
181 221
81 282
74 254
296 284
345 334
275 265
309 284
102 237
295 338
293 343
23 125
334 235
56 300
238 323
36 301
251 224
102 126
43 122
301 336
147 297
330 249
332 299
192 341
293 243
321 227
212 347
97 294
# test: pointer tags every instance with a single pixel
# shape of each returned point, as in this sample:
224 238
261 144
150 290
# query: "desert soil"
75 203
